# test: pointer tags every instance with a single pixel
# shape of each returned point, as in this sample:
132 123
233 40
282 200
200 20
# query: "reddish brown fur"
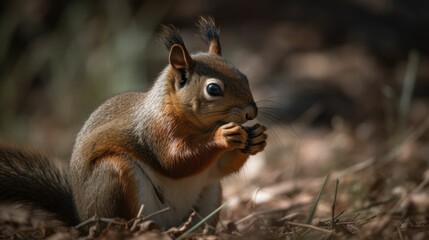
238 160
188 151
215 48
129 208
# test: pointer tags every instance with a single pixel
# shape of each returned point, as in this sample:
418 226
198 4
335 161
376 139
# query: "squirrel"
168 147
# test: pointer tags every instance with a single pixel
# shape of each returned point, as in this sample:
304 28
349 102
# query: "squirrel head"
204 87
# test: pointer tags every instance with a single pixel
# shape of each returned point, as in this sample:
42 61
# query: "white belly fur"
180 195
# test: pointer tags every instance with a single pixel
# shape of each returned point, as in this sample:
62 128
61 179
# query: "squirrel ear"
180 58
215 48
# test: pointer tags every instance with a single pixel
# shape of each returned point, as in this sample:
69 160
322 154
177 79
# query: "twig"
175 231
86 222
375 204
111 220
309 226
339 214
149 216
355 168
289 217
98 219
420 186
357 221
140 210
254 197
156 213
399 233
355 217
364 221
138 217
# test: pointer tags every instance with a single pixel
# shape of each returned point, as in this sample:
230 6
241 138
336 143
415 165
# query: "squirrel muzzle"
250 111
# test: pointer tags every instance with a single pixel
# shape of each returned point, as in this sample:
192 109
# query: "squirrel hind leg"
210 199
109 191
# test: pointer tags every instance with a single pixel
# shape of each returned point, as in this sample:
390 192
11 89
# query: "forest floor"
325 185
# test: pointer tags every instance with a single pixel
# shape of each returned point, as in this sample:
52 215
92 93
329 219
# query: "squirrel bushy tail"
31 179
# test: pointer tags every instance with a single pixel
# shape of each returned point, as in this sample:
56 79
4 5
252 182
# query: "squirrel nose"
251 111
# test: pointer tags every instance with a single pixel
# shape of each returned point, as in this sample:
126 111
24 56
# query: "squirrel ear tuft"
170 35
210 34
180 58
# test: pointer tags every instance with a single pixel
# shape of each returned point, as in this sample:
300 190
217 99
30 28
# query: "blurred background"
336 80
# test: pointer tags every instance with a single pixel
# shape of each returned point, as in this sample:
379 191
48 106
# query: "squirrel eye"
214 90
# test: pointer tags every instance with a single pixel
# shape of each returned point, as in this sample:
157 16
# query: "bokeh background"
316 67
328 59
339 82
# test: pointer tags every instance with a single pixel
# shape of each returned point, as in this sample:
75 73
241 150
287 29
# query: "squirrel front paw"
256 140
232 136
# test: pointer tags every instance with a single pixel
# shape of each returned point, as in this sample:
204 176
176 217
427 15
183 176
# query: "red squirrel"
168 147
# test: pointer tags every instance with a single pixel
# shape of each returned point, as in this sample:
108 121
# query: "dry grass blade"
308 226
149 216
408 87
84 223
157 212
316 202
196 226
313 209
399 233
137 219
337 182
268 211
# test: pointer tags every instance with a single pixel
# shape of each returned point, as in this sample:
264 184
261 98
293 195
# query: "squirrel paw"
256 140
233 136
